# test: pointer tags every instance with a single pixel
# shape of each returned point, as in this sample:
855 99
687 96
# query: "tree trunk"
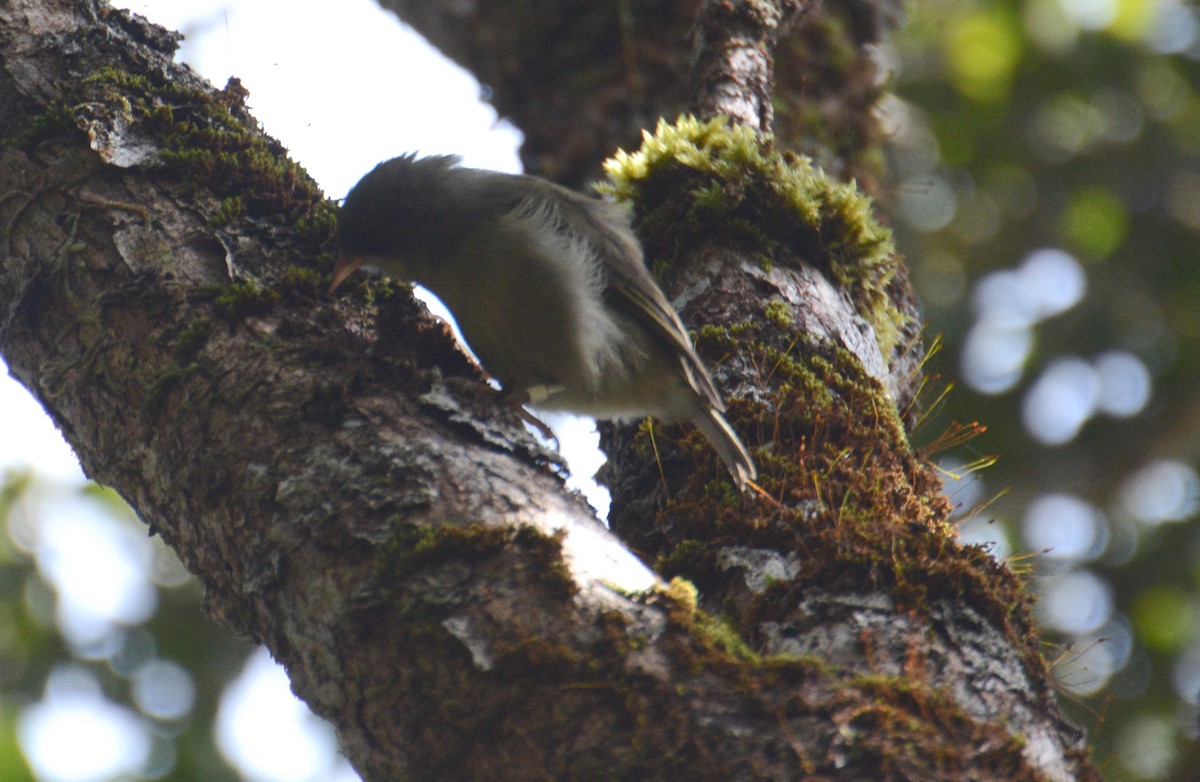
351 495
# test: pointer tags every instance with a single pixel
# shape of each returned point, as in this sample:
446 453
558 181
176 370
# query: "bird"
549 288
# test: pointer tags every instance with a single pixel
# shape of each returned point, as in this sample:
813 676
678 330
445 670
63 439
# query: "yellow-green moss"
241 300
190 340
723 636
778 313
682 597
763 200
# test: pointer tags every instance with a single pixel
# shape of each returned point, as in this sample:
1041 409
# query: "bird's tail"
728 446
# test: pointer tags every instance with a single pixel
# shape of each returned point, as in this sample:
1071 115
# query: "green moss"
57 120
683 597
689 556
231 209
723 636
424 546
416 547
208 141
779 313
319 223
190 340
241 300
851 494
303 280
544 553
161 387
762 200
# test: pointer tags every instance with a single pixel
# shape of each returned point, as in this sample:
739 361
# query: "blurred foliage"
33 644
1072 125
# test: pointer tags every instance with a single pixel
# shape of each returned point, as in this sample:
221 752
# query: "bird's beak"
344 268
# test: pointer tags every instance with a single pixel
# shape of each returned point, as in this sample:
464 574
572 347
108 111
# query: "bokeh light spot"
99 567
1076 603
1161 89
1014 189
1185 675
1065 126
1162 491
993 356
1048 25
1090 14
1095 222
1132 20
984 49
164 690
940 277
1124 384
927 203
267 733
1087 666
1053 280
1174 29
75 735
1163 618
1146 746
1064 527
1059 402
1002 300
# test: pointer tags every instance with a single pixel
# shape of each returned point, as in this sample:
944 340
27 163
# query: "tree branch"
733 69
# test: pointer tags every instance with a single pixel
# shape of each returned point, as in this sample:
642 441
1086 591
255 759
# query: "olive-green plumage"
548 286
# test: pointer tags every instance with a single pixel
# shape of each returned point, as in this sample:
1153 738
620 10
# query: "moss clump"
723 636
241 300
415 547
770 203
231 209
544 553
897 728
536 658
779 313
688 556
683 598
190 340
56 120
304 281
208 140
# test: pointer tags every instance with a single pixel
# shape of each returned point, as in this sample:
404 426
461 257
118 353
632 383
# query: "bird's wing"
630 288
650 307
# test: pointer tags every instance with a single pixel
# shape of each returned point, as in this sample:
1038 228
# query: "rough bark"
733 70
350 495
581 79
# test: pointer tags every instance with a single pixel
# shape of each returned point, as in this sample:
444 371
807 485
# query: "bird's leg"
517 401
